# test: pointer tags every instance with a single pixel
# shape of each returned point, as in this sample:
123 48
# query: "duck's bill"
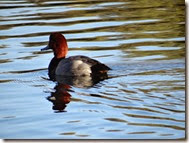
46 48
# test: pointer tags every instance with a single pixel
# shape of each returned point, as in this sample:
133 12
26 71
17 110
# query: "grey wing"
96 66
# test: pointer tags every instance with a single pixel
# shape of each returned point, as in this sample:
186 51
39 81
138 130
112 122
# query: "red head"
58 44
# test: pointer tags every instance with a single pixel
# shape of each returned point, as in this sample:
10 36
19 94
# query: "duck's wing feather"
96 66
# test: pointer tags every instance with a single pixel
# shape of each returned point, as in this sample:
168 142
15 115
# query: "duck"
73 66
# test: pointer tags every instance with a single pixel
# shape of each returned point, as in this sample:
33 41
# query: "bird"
73 66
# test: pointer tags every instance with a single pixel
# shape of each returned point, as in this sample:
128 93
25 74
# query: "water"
142 41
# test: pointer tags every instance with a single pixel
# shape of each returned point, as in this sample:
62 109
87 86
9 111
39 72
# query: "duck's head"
58 43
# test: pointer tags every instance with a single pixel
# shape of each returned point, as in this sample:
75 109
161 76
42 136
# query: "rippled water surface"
141 41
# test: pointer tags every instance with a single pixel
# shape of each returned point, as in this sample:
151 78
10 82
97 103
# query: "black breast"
52 67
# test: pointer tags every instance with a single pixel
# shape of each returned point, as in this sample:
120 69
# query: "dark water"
142 41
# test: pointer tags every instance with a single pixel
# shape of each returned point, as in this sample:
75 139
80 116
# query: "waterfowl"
73 65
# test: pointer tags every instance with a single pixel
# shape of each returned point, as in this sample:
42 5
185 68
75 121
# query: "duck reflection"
81 81
61 96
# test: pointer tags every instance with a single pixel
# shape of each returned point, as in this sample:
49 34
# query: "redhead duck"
73 65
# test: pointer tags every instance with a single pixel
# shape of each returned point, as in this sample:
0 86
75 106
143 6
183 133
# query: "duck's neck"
52 67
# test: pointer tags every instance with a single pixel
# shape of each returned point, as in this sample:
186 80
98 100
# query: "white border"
121 141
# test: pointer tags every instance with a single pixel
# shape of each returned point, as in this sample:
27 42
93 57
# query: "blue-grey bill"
46 48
